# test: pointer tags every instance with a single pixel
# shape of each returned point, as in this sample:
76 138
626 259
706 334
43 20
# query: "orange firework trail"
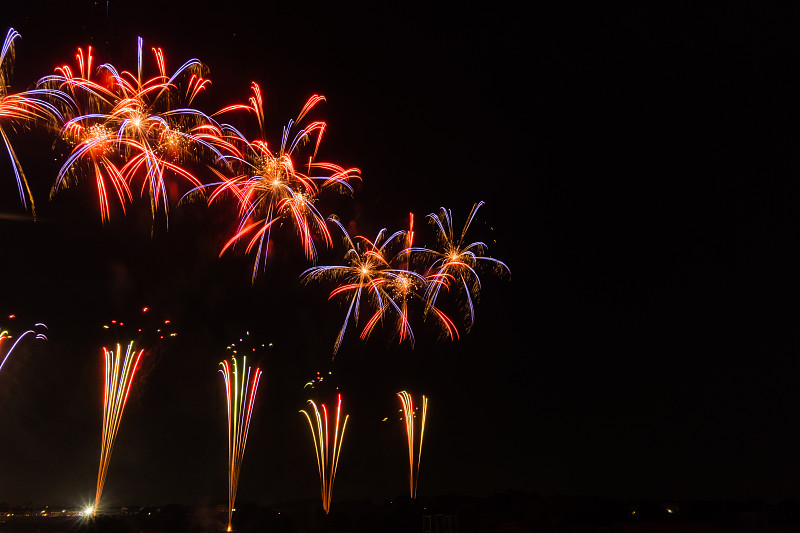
119 373
327 456
241 395
414 459
271 187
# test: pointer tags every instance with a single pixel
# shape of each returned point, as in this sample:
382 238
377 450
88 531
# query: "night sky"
638 169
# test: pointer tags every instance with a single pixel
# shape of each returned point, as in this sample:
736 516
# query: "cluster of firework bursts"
139 135
389 277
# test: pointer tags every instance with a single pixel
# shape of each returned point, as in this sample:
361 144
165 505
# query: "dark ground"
504 512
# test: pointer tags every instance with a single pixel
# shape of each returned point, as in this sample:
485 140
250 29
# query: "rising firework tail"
327 456
414 446
120 370
241 385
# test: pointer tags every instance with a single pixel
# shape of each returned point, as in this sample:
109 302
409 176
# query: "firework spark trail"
413 459
241 394
327 456
26 106
270 187
118 377
5 337
128 126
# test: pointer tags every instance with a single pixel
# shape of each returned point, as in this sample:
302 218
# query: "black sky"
638 168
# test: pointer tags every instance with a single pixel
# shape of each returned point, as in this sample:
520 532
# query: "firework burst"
240 391
127 127
372 278
327 456
271 187
454 263
21 107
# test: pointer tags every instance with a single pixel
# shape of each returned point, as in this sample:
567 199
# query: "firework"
366 275
409 415
26 106
317 380
126 127
6 337
148 327
453 262
372 278
327 456
241 394
270 187
118 378
409 286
